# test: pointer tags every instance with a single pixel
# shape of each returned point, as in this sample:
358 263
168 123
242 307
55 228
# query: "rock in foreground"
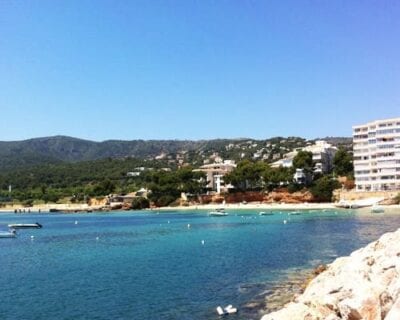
364 285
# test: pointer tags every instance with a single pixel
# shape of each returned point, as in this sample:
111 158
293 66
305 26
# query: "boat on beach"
357 204
35 225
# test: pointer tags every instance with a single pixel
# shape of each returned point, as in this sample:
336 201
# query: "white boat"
25 225
377 209
218 213
356 204
9 234
294 213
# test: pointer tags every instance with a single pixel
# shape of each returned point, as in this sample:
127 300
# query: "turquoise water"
130 265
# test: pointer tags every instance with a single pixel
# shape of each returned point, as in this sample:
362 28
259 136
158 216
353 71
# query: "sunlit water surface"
144 265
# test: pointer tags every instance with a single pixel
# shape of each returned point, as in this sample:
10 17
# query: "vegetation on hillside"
53 150
61 176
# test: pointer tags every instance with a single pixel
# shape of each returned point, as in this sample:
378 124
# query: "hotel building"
376 147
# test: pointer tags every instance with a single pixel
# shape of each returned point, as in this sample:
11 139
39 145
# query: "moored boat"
36 225
9 234
266 213
377 209
218 213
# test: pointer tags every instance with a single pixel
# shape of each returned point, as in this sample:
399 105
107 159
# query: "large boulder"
362 286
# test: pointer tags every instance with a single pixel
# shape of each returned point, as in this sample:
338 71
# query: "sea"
168 264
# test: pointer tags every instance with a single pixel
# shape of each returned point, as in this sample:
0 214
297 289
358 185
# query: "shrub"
164 201
323 188
140 203
28 203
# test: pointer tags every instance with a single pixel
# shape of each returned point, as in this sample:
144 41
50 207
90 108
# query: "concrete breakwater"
364 285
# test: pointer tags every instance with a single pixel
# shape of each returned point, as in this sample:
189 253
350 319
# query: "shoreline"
77 208
254 206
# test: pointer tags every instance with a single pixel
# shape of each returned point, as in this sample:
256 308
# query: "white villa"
215 173
376 148
323 153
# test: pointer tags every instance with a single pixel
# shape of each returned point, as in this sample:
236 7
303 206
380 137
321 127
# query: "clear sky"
196 69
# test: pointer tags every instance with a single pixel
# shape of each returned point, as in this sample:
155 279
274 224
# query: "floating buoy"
97 238
220 311
230 309
32 237
76 222
284 221
168 221
188 225
227 310
202 242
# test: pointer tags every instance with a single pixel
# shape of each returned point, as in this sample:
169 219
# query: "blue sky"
196 69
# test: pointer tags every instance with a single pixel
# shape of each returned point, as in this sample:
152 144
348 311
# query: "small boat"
266 213
36 225
9 234
294 213
218 213
377 209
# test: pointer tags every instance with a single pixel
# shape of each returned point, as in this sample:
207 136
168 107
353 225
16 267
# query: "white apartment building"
215 173
322 154
376 147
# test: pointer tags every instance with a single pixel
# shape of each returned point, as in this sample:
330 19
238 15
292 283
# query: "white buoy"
168 221
284 221
76 222
188 225
32 237
230 309
97 238
202 242
220 311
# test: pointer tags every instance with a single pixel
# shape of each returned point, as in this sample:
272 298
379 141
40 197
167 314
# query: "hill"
15 155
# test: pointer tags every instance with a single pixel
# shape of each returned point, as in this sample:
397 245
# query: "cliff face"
281 195
364 285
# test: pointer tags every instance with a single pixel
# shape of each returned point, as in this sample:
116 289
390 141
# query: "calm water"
152 266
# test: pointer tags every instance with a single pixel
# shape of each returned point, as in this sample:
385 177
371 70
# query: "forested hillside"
58 149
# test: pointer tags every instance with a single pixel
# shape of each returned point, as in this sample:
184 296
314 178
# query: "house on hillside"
323 154
215 173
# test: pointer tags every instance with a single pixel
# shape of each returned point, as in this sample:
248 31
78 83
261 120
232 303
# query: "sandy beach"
231 206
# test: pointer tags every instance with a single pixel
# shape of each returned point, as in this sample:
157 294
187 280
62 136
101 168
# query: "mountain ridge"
60 148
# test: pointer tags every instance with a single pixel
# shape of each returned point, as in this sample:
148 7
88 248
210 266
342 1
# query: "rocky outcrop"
281 195
362 286
284 196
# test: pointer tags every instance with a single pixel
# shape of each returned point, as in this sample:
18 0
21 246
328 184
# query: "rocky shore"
364 285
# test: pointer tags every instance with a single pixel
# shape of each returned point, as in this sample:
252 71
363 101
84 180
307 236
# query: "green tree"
323 188
247 175
166 187
342 163
274 177
303 160
103 188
